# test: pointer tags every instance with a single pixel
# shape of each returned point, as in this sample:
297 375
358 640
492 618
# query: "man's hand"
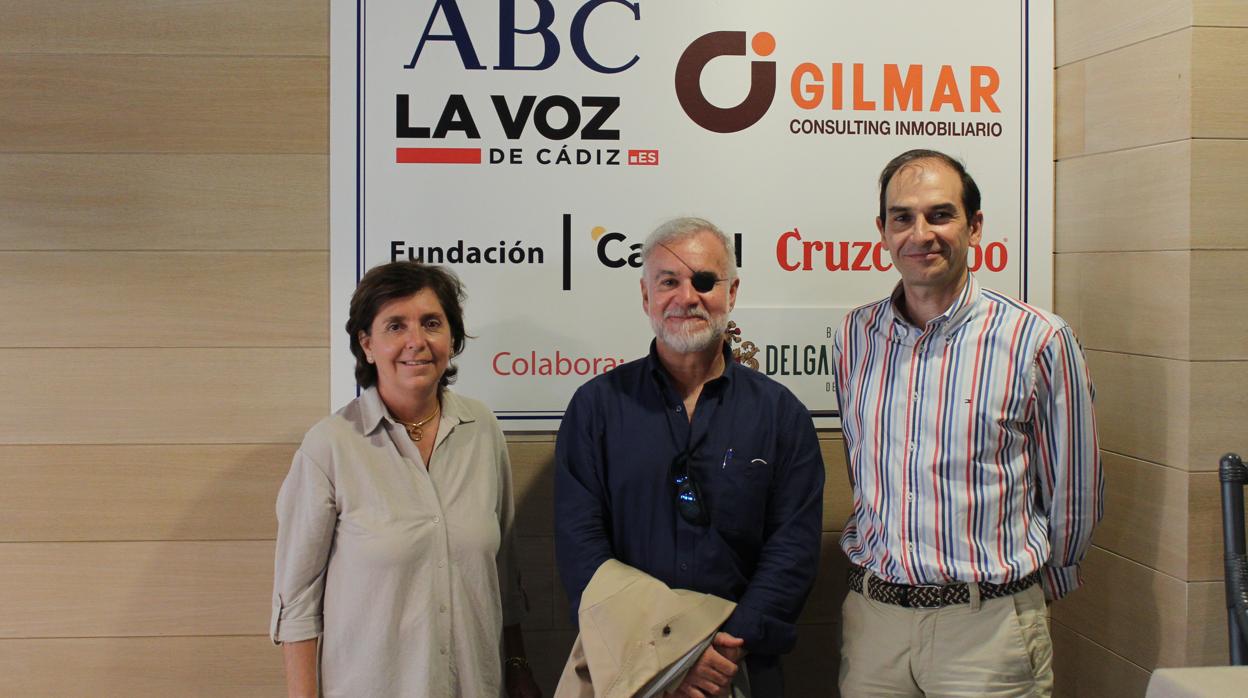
712 674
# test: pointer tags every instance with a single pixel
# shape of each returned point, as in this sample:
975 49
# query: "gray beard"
692 342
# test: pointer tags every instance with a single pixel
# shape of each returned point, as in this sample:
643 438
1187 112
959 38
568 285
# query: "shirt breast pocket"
744 485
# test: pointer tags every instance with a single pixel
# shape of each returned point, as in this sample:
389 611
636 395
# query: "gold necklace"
414 428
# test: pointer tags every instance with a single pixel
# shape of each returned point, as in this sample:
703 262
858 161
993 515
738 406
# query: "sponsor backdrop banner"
531 145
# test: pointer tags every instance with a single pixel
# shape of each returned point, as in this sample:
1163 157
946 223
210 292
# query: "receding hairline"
680 229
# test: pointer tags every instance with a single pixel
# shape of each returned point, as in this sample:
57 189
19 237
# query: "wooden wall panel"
1219 403
537 570
130 589
1132 96
117 493
1143 406
156 104
1069 132
812 668
533 486
1220 13
165 299
1086 29
1207 643
1219 95
1137 199
1219 170
238 27
142 667
1204 540
1084 669
1129 609
163 202
1146 514
161 396
548 652
1131 302
1219 324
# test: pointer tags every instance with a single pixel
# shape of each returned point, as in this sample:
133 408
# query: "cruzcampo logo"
702 51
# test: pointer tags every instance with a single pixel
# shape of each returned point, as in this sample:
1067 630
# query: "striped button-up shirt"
972 443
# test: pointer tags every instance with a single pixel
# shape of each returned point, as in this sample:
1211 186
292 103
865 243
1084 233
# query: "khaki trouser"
999 647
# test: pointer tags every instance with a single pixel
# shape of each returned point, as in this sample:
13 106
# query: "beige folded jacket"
633 629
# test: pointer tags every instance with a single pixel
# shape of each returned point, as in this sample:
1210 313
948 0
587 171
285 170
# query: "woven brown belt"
934 596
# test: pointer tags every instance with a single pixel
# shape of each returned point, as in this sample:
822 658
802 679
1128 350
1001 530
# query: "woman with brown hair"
395 538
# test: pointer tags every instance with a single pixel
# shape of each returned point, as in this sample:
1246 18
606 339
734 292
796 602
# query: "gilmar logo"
702 51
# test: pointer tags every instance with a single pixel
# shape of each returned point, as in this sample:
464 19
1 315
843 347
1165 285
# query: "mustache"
687 312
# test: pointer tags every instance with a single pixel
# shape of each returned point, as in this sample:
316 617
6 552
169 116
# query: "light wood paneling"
1219 207
1206 625
1137 302
157 26
537 571
179 104
142 667
1220 13
165 299
1133 96
153 396
163 202
130 589
1219 403
1219 95
1087 28
116 493
1146 514
837 497
1084 669
533 484
1069 133
1143 406
1204 540
1136 199
1219 324
1131 610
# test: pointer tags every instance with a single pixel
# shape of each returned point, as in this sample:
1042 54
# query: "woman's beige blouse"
407 572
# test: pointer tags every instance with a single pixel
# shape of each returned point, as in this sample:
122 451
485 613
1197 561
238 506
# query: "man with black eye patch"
698 471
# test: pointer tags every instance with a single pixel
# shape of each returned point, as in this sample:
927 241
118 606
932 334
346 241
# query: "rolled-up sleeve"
306 516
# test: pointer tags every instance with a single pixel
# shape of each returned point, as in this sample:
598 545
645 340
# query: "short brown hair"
394 281
970 190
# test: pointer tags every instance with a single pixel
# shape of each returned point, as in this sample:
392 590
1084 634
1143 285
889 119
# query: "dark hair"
395 281
970 190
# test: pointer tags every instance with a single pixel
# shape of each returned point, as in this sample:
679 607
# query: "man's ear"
977 227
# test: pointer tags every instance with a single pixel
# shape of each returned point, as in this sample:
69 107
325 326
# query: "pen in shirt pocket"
727 459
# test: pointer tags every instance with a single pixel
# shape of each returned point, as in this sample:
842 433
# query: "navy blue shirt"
755 457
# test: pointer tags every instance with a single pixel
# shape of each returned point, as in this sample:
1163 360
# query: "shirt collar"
656 369
373 411
954 316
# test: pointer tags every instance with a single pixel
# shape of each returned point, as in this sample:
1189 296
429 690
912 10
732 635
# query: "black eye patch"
704 281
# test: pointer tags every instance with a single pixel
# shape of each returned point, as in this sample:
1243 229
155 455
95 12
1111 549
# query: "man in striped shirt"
973 457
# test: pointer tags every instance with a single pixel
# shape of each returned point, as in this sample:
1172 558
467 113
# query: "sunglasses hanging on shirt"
689 501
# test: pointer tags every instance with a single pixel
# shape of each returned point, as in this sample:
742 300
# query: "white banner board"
530 145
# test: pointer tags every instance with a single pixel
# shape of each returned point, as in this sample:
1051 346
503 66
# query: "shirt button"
916 395
436 520
910 546
911 446
442 608
684 565
441 564
442 651
679 408
909 496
